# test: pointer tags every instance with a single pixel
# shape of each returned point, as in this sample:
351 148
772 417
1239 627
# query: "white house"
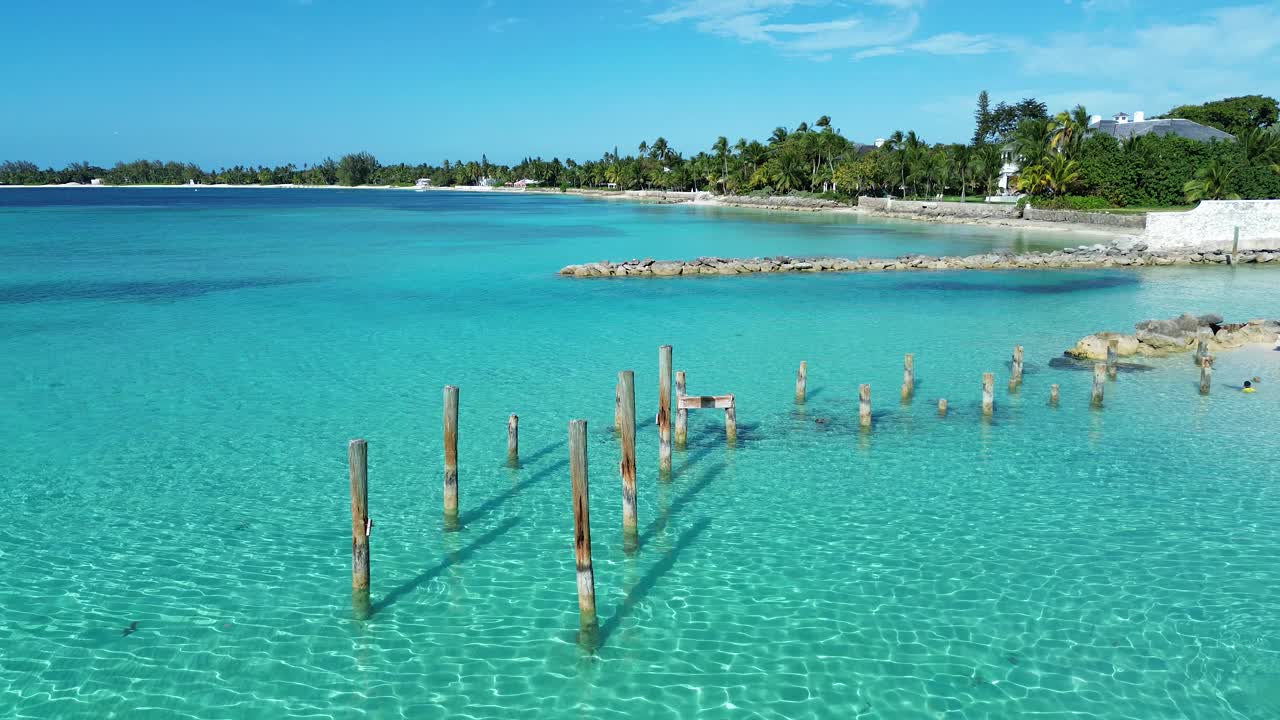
526 182
423 183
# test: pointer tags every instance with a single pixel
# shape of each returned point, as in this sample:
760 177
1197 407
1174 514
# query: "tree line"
1058 159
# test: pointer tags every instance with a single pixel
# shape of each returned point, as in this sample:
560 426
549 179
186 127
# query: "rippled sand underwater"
183 372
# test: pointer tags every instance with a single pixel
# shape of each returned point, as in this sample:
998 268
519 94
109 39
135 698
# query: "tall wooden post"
450 455
989 393
1206 374
664 409
908 377
942 407
1099 380
1112 352
802 379
682 415
358 459
731 421
1015 378
1202 348
513 441
617 408
627 467
582 522
1053 395
864 405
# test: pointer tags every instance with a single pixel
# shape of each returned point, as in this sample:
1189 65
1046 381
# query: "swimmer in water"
1248 387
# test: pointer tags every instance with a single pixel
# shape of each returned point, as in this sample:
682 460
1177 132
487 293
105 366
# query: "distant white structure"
96 181
526 182
879 142
422 183
487 182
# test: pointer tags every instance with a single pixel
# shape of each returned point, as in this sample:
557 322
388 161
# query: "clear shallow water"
182 372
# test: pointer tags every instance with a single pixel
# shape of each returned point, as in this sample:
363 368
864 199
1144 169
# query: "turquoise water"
182 371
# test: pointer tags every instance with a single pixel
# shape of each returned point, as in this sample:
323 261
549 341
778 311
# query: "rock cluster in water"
1157 338
1121 253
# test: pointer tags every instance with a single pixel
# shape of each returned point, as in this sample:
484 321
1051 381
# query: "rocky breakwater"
1160 338
1120 254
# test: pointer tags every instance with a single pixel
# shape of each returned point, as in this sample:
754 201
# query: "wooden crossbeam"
699 402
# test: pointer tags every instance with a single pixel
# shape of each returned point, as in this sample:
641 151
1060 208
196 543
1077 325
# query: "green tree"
1212 182
356 168
982 119
1235 115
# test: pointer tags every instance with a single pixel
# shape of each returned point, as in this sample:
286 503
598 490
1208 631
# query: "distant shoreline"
660 197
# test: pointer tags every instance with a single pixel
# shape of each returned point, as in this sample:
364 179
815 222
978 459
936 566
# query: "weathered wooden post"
513 441
1112 352
1202 348
731 421
582 523
627 467
450 455
864 405
1053 395
1206 374
1015 379
682 415
358 459
802 379
908 377
664 409
942 407
1099 380
988 393
617 408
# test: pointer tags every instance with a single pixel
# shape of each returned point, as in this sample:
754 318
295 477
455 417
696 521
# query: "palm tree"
1061 173
1212 182
1032 140
824 121
778 136
721 149
1068 135
661 152
1259 144
960 158
644 148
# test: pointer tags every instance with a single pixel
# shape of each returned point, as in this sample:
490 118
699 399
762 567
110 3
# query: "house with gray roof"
1122 127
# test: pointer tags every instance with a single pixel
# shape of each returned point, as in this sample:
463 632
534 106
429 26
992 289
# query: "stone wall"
937 208
1211 226
1134 221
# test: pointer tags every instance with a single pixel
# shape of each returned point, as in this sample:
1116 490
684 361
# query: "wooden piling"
1202 348
682 415
1015 381
582 522
450 454
1053 395
1112 352
358 459
617 407
942 407
864 405
513 441
988 393
1206 374
664 409
627 467
1099 380
731 421
802 379
908 377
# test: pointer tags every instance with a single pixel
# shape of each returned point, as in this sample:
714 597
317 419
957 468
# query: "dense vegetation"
1062 164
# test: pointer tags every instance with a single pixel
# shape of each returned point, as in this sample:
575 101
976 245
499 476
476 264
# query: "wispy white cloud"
959 44
771 22
502 24
876 52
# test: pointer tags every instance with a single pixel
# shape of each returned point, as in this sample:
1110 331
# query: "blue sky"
275 81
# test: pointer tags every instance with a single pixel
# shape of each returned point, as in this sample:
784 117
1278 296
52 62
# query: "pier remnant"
1112 369
451 455
1053 395
582 524
627 467
720 402
1099 381
1206 374
358 459
731 422
682 415
988 393
802 379
1015 379
942 407
664 409
513 441
908 377
864 405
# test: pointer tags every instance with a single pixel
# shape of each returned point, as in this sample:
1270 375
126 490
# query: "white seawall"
1211 226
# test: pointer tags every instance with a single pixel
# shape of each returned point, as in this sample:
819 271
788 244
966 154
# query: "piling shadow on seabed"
498 500
664 515
645 584
453 559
